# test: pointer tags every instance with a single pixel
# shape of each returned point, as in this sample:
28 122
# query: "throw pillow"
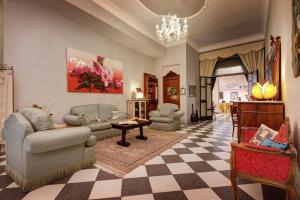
115 114
39 119
272 144
282 137
263 133
101 119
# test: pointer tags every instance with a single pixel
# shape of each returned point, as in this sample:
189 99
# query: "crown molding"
229 43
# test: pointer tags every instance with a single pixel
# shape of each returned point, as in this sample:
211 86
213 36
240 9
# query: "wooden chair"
264 164
234 117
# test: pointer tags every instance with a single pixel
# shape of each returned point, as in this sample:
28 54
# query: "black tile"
2 169
201 166
190 181
157 170
208 156
12 194
270 193
178 195
5 181
214 149
172 158
183 151
240 181
136 186
103 175
76 191
225 193
190 144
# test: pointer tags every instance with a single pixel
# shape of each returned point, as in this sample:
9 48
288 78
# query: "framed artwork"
182 91
234 96
192 90
296 37
93 74
221 95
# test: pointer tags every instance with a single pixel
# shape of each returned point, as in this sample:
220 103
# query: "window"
229 70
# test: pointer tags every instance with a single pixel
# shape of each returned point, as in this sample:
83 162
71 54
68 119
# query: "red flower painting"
93 74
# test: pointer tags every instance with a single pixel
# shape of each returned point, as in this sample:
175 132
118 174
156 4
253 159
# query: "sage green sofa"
37 154
166 117
85 115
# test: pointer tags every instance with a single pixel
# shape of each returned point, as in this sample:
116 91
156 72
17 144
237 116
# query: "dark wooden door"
206 87
171 88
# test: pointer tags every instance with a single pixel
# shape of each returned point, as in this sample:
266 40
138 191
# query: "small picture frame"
234 96
182 91
192 91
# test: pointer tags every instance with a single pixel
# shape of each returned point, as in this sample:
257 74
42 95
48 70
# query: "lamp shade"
265 91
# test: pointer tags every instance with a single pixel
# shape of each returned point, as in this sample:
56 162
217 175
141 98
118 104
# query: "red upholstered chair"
263 164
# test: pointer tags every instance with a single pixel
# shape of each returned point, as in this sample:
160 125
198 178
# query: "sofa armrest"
45 141
154 113
177 115
123 115
74 120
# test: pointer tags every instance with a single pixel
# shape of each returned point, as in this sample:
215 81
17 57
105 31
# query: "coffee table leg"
141 135
123 141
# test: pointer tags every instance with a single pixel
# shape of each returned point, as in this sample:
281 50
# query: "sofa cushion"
263 132
99 126
91 141
90 111
105 110
74 120
39 119
161 119
45 141
167 108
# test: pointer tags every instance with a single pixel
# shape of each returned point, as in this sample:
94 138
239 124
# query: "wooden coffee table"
126 127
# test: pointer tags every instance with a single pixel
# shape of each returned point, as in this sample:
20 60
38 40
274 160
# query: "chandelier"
171 30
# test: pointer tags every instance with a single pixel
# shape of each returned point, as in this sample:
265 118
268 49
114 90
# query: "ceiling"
212 23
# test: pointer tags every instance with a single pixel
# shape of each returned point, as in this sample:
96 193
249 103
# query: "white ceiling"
212 23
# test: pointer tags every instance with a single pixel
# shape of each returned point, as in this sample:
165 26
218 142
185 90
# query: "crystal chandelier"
171 30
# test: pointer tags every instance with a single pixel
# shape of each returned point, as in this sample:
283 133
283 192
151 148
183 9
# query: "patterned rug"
121 160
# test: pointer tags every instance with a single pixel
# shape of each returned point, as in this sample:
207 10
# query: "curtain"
6 96
254 60
207 67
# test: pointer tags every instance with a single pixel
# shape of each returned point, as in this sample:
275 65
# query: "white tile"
186 141
214 179
183 132
48 192
106 189
158 159
139 197
178 146
192 137
198 150
196 133
219 165
205 144
3 162
138 172
190 157
84 176
12 185
223 155
254 190
168 152
209 139
163 184
203 194
180 168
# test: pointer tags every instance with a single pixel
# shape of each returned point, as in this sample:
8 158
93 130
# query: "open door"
206 87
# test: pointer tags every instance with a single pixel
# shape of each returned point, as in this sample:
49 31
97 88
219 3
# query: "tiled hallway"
196 168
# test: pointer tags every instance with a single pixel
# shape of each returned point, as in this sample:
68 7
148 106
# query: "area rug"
121 160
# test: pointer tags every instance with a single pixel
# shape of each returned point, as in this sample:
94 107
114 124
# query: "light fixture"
139 93
171 29
265 91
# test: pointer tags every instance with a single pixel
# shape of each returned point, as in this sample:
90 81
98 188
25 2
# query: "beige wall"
1 31
35 41
281 25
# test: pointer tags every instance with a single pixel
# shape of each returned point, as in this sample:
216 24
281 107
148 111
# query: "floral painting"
93 74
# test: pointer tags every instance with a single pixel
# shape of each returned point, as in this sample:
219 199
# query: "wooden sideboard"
255 113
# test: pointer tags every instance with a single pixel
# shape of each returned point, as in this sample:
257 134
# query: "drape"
6 95
254 60
207 67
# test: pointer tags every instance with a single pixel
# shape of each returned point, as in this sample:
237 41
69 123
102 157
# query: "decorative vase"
193 116
197 116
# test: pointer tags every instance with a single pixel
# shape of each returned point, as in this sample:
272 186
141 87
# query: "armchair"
263 164
167 117
35 157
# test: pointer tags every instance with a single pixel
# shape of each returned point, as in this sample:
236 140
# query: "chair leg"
232 130
233 184
291 193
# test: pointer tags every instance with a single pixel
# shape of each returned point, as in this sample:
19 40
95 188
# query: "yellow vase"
257 91
269 90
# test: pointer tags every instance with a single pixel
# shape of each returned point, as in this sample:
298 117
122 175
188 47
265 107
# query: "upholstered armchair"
263 164
166 117
37 154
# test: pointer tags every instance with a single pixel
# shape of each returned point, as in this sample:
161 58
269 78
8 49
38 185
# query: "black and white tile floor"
196 168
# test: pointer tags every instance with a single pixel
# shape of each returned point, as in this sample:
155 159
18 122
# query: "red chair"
263 164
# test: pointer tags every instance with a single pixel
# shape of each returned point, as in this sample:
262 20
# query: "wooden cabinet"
151 91
171 88
255 113
137 108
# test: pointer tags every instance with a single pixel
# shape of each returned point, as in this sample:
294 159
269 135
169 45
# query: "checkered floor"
196 168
